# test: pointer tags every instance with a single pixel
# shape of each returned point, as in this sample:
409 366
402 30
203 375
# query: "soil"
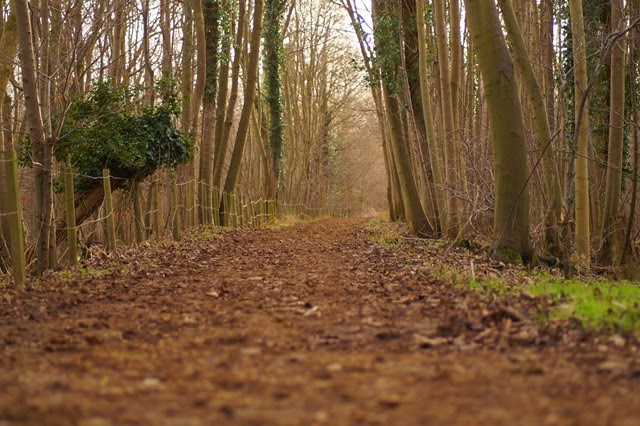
312 324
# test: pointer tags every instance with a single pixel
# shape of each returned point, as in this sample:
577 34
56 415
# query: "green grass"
383 232
494 286
600 304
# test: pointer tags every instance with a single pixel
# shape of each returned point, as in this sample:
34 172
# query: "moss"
506 254
467 244
602 304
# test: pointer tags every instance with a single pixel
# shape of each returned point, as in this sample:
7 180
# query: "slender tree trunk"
198 91
220 148
456 58
149 74
273 49
212 36
611 233
548 58
389 46
249 98
433 151
187 94
446 108
393 196
416 126
511 238
223 132
42 176
117 54
8 50
582 232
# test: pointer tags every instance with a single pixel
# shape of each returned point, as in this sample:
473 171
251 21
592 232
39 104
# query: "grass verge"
593 304
596 304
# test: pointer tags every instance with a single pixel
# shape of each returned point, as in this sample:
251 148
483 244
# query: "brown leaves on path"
310 324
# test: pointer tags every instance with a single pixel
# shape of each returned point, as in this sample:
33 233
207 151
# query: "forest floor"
330 322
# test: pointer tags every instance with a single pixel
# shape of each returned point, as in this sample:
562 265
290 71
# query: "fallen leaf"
429 342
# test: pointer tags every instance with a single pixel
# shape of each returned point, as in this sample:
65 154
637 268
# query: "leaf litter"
318 323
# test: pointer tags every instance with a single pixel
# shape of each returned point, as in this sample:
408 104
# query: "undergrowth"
594 304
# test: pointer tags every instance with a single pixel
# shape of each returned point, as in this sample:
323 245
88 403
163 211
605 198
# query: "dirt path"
310 324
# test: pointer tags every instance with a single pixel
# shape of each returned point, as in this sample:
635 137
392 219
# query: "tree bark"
249 98
223 132
8 50
212 36
42 194
546 151
582 232
416 219
511 239
432 144
611 237
449 131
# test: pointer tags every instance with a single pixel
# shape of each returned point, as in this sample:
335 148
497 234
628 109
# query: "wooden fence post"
70 213
233 211
108 205
16 232
225 216
272 211
137 213
216 206
252 214
175 211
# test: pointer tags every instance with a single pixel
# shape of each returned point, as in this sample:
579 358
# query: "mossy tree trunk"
273 91
212 24
387 19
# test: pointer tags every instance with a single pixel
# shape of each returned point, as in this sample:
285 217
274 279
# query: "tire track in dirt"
308 324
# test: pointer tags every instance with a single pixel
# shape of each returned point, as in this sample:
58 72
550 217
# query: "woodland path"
309 324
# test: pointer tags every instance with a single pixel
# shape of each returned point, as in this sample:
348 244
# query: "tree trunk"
42 193
273 49
546 151
220 146
8 49
449 131
198 91
511 240
187 114
249 98
212 36
389 47
223 132
611 237
582 232
432 144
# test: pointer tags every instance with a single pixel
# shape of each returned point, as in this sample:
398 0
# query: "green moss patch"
605 304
